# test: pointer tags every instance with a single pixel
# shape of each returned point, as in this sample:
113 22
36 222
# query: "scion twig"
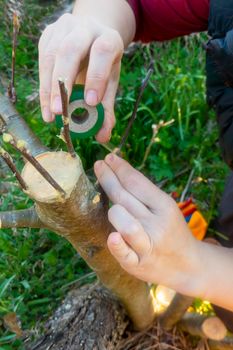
134 113
65 118
9 161
20 146
11 87
155 130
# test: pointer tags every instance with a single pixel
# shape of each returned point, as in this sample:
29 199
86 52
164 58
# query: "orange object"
195 220
198 225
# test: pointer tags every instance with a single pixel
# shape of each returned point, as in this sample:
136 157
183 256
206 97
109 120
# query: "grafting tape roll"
88 122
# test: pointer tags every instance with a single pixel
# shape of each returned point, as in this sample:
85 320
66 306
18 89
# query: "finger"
126 257
116 193
106 51
72 50
108 101
137 184
131 230
48 47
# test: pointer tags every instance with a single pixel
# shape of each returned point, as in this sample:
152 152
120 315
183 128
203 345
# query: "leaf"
12 323
5 285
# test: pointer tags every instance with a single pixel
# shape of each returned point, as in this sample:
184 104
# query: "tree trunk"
90 318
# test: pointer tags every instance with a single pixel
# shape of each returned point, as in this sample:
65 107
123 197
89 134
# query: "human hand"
152 240
80 48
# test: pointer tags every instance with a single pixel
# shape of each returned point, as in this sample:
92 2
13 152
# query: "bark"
175 311
203 326
89 319
225 344
81 217
18 128
20 218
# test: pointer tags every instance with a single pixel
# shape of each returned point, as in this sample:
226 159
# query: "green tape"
89 122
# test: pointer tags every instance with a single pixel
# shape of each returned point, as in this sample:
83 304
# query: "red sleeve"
166 19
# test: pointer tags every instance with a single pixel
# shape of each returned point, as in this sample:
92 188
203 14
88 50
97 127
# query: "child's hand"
80 47
152 240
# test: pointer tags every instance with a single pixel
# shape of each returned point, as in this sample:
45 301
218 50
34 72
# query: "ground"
38 268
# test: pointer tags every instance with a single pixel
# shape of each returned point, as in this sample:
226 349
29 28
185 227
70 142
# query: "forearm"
117 14
216 275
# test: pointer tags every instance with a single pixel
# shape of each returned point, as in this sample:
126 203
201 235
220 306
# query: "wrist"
116 15
191 281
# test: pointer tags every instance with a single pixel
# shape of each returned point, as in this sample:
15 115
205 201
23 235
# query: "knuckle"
70 47
44 35
104 46
44 94
65 17
130 181
134 227
128 261
97 77
47 58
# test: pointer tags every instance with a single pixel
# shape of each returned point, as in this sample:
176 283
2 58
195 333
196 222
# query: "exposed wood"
81 218
225 344
175 311
203 326
17 127
20 218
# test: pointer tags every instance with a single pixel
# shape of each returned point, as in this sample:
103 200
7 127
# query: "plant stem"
11 87
134 113
65 118
8 160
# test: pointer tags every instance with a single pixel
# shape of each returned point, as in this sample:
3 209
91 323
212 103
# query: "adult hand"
80 49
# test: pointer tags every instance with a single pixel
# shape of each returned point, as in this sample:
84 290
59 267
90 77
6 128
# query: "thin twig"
20 146
9 161
155 130
186 189
65 118
11 87
134 114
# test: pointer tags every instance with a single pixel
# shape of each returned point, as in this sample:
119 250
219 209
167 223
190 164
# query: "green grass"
36 266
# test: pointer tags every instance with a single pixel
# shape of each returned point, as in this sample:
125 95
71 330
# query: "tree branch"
20 219
203 326
8 160
225 344
65 118
175 311
134 114
17 127
11 88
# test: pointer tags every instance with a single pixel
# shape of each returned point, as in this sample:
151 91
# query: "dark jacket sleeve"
219 68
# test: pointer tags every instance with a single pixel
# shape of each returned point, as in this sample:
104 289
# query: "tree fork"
81 217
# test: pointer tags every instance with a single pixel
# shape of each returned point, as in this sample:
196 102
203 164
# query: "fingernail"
110 158
91 98
57 106
47 115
